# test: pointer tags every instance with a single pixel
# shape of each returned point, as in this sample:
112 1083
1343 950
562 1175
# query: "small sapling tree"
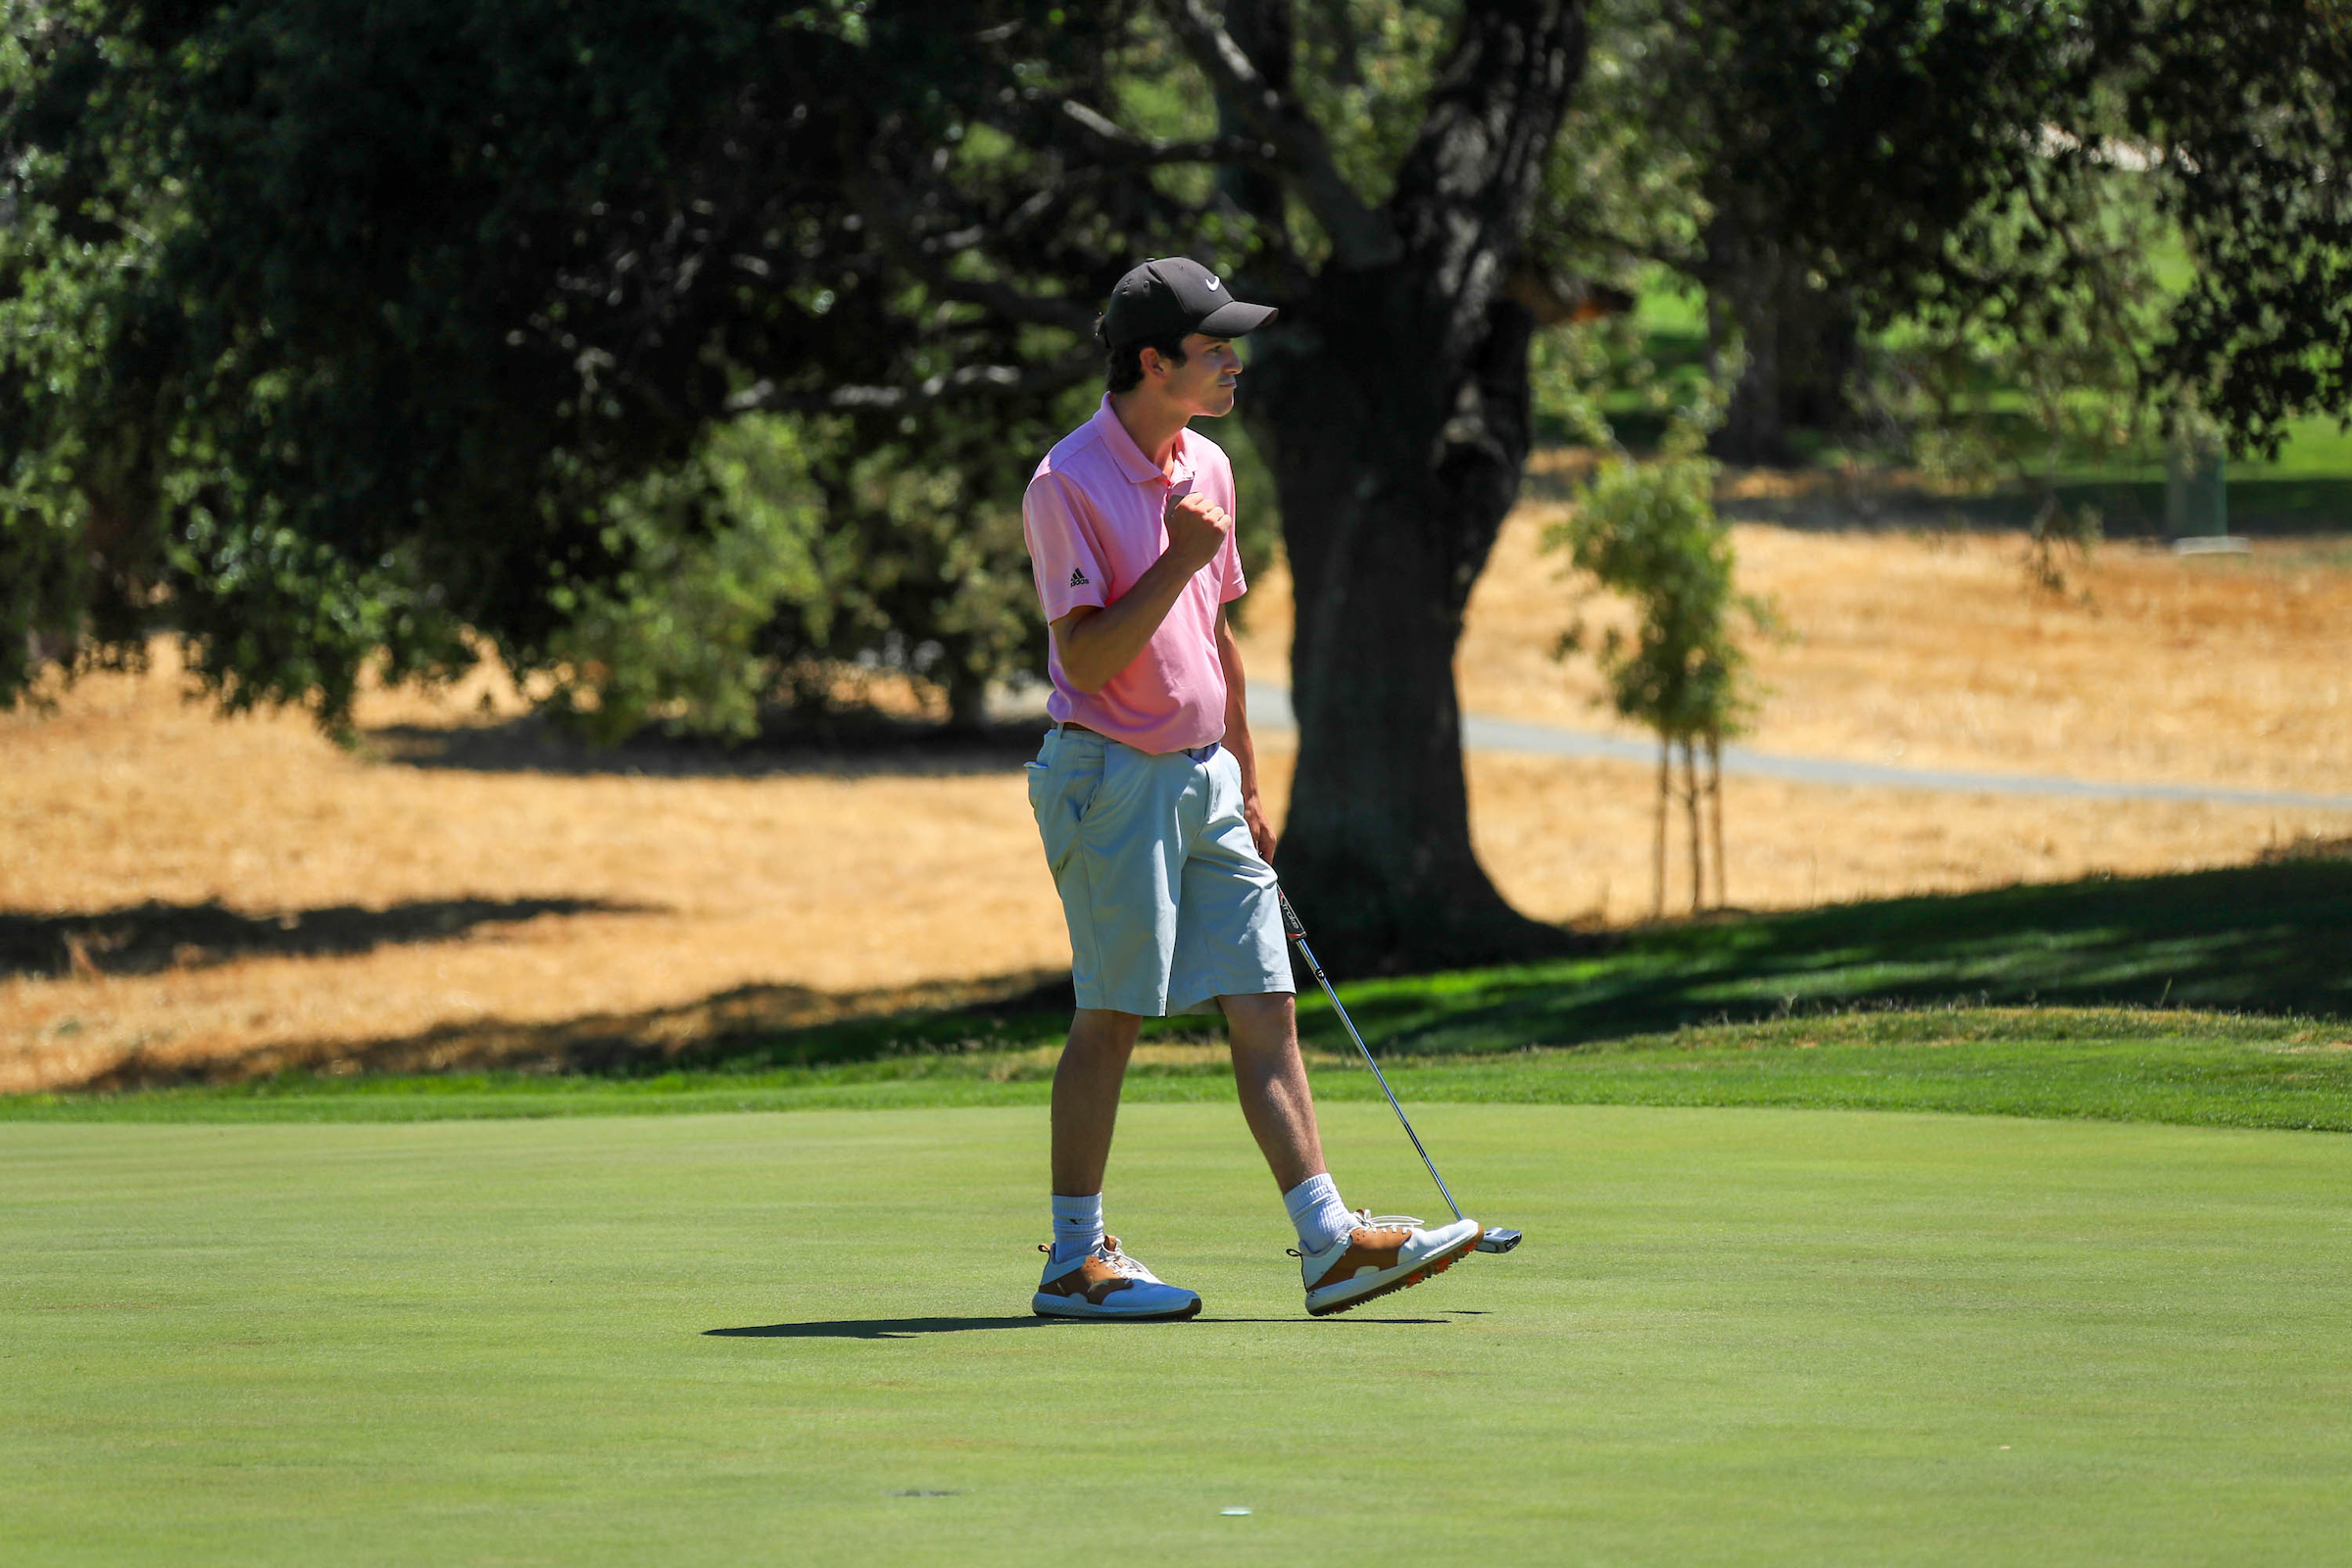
1649 532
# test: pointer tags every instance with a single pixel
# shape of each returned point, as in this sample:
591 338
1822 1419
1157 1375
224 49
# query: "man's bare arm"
1237 737
1098 641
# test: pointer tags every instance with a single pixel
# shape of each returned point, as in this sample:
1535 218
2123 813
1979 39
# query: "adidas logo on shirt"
1078 580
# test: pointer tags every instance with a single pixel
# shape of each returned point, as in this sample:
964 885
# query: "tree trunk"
967 700
1803 341
1391 401
1657 858
1723 885
1392 493
1690 801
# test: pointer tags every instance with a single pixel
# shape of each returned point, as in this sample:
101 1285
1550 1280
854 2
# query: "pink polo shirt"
1094 517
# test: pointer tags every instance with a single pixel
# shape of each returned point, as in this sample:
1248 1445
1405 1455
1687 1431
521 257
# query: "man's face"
1202 385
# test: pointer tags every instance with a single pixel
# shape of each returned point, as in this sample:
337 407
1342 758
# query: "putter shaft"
1298 934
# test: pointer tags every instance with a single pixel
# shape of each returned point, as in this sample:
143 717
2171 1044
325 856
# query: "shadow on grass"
746 1026
849 746
877 1328
2284 508
2255 939
2273 507
2262 939
148 937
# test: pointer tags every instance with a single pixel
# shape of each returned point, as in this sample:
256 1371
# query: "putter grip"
1291 923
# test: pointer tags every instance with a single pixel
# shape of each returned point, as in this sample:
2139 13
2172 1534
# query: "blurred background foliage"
804 558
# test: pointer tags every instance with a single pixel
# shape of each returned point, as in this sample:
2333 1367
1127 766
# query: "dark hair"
1123 370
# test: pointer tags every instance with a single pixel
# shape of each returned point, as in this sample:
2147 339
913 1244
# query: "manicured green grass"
2202 1069
1732 1336
528 1325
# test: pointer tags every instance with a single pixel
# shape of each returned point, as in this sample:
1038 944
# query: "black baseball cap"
1171 297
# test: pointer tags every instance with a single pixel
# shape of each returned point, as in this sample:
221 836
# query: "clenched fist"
1198 528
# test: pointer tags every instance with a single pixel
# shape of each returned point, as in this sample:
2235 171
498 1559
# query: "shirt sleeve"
1068 575
1228 559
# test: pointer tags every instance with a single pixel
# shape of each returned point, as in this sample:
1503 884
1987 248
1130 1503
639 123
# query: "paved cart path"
1270 708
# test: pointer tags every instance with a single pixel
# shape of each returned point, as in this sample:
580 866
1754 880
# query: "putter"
1497 1239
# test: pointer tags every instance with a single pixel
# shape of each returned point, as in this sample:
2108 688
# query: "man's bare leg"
1086 1097
1272 1079
1344 1258
1088 1274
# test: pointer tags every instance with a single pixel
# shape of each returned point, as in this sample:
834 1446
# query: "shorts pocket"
1062 786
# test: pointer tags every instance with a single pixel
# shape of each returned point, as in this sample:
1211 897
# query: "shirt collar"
1130 457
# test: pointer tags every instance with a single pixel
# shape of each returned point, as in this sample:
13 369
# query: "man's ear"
1152 362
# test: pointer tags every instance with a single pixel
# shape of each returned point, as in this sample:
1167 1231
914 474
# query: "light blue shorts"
1169 904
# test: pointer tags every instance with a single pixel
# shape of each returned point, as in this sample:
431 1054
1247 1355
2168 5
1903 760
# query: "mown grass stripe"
2194 1069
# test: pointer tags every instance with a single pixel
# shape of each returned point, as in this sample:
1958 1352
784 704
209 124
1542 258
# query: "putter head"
1498 1239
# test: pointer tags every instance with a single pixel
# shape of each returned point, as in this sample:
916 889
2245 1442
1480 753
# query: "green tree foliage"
333 328
676 635
1808 162
1979 396
1961 172
2249 109
810 553
835 553
337 329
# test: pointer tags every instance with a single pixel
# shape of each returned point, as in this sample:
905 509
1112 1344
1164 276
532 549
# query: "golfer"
1145 795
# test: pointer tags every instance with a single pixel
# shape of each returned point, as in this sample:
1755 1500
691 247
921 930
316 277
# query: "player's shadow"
909 1328
874 1328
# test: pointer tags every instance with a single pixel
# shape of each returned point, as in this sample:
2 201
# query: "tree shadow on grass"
2267 506
152 937
909 1328
2289 506
2272 938
849 746
2269 938
742 1029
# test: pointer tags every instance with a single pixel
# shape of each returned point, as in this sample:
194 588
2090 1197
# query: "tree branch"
988 381
1466 190
1362 238
1110 139
1006 301
892 211
1564 230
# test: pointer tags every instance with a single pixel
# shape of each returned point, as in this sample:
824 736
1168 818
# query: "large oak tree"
337 325
362 314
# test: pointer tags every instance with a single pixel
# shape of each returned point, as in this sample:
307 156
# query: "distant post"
2196 494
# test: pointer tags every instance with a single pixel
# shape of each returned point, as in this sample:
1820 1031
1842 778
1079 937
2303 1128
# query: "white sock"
1077 1226
1318 1213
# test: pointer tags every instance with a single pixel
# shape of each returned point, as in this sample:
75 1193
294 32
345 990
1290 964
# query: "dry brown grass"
838 880
1929 651
722 900
1569 840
